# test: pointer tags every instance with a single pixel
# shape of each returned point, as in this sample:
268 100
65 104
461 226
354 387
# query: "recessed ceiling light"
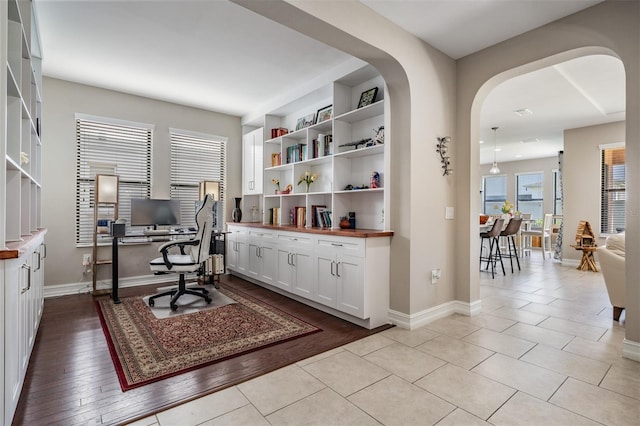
498 149
518 155
530 140
523 112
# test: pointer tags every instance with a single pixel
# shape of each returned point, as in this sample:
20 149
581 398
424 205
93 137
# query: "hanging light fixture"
494 169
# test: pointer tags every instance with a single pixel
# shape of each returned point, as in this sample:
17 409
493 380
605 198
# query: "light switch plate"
448 212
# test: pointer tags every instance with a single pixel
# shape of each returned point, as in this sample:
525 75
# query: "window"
529 197
196 158
613 189
110 146
557 193
494 194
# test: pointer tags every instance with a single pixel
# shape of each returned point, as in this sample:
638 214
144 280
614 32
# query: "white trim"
419 319
216 138
85 287
631 349
115 121
612 145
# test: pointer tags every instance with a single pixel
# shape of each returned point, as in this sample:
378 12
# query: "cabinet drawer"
237 233
350 246
261 235
293 239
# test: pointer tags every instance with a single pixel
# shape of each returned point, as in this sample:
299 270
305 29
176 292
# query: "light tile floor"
544 351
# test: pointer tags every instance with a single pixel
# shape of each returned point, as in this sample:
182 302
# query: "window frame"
608 227
517 193
499 203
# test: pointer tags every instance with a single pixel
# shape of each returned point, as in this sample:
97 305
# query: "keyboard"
155 232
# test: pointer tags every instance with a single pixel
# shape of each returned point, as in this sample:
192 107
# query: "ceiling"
219 56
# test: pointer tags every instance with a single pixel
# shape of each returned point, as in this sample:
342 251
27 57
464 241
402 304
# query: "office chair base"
176 293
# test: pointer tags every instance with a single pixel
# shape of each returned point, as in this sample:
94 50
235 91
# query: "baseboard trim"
419 319
631 349
85 287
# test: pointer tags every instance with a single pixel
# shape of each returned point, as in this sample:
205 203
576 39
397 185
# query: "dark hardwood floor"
71 379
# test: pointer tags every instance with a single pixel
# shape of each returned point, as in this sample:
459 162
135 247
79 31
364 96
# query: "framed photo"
324 114
305 121
368 97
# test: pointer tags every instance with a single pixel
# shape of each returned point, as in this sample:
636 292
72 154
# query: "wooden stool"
587 263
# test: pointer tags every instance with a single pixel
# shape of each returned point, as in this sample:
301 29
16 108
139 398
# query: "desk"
139 237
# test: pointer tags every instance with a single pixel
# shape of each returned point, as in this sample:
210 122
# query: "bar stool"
493 236
510 233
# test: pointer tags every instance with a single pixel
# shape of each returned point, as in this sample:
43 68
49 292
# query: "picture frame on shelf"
368 97
306 121
324 114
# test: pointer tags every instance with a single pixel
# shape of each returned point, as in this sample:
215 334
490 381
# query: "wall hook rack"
444 158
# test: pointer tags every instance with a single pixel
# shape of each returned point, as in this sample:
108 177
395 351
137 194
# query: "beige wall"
609 28
582 178
62 100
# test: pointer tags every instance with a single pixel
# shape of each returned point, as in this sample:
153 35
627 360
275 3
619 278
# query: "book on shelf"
297 152
299 216
314 215
278 131
324 217
327 144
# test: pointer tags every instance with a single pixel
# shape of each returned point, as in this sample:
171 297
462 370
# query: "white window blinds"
104 147
196 158
613 190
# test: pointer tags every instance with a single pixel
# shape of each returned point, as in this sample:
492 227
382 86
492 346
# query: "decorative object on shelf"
308 178
356 143
254 214
277 184
379 135
236 213
324 114
494 168
24 157
352 219
352 188
286 190
374 182
368 97
306 121
344 222
444 158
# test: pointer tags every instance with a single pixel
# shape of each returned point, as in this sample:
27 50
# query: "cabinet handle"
38 268
44 250
288 258
336 244
294 239
28 268
338 269
260 252
332 263
293 259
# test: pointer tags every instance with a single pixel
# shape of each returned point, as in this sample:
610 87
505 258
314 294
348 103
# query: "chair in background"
186 262
493 235
510 234
544 233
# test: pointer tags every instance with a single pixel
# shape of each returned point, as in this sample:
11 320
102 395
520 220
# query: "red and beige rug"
145 348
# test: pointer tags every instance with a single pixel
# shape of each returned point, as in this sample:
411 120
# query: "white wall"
582 178
61 101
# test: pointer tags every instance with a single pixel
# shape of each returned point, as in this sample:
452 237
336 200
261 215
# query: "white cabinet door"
268 255
254 268
327 282
252 162
242 252
350 288
304 282
285 271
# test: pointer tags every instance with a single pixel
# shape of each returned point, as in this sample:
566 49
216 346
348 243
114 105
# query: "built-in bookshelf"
344 150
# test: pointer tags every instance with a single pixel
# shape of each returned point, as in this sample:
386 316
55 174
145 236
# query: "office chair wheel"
174 307
152 302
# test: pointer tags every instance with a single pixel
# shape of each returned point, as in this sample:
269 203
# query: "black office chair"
494 247
510 233
184 262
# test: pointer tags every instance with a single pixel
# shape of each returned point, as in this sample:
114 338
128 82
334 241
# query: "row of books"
320 217
215 264
297 152
274 216
322 146
278 131
299 216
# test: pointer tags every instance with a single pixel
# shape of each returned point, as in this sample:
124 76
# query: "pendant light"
494 169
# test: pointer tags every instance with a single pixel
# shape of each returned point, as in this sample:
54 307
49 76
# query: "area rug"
146 349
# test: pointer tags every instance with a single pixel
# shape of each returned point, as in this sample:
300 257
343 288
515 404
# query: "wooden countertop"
354 233
17 248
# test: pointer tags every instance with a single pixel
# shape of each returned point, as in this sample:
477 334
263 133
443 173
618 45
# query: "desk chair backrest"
204 221
512 227
496 228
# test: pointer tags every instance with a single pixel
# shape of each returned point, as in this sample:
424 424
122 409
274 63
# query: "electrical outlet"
86 259
435 276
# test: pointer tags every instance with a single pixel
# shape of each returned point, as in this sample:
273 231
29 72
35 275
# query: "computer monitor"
150 212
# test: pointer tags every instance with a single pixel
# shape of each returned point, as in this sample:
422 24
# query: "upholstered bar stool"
493 235
510 234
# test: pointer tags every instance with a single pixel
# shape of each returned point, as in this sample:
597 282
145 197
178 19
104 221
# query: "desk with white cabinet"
342 272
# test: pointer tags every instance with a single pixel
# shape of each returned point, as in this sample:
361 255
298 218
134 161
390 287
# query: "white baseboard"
85 287
631 349
429 315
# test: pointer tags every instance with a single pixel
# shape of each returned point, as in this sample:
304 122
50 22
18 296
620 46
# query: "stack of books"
297 152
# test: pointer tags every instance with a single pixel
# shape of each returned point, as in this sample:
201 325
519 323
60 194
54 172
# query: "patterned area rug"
145 349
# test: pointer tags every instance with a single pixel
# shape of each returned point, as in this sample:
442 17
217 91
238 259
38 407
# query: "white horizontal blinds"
613 191
124 150
196 158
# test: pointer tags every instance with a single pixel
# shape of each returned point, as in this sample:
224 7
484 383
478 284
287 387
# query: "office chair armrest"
164 248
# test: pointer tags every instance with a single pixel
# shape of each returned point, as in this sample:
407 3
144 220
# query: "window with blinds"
111 148
196 158
613 190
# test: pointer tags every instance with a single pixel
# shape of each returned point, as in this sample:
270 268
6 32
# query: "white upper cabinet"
252 155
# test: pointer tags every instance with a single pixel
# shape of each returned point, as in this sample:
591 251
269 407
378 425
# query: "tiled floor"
545 351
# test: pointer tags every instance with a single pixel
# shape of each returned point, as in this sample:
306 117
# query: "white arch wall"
609 27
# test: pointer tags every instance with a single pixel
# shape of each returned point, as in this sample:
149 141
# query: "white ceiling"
219 56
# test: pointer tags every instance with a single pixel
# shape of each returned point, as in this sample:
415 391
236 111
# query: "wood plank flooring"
71 379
